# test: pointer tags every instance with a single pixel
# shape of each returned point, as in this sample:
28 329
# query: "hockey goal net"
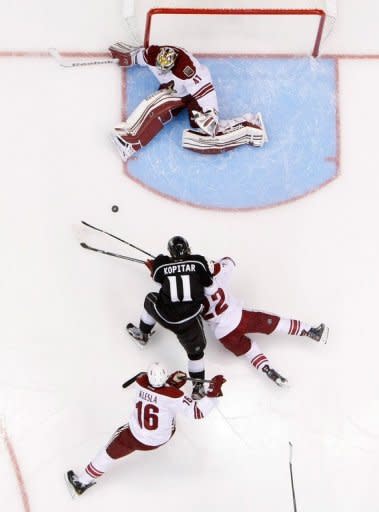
232 27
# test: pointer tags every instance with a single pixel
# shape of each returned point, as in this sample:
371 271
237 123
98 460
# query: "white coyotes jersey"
222 311
199 84
153 419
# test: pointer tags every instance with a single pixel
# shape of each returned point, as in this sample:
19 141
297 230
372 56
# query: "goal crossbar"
225 11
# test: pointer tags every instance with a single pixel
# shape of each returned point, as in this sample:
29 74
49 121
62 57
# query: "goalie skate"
258 132
125 149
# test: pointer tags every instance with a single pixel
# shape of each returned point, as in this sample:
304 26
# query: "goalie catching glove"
125 53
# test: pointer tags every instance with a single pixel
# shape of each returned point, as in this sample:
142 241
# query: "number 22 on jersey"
215 305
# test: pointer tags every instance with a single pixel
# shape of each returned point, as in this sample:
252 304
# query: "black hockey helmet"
178 246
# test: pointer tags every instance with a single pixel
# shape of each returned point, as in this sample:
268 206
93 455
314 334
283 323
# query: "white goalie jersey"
189 77
222 311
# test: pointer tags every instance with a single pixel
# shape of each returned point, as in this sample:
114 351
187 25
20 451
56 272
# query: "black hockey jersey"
183 281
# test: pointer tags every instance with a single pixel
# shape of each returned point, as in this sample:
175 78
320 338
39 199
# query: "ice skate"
274 376
140 337
124 148
75 487
319 333
198 391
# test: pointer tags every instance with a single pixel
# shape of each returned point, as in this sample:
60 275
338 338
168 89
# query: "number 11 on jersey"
177 282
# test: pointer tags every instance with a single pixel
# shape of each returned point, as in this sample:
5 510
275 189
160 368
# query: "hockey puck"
115 208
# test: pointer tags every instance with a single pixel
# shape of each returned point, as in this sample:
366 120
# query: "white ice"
64 352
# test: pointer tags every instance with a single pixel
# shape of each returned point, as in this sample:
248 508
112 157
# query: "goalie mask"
157 375
166 58
178 247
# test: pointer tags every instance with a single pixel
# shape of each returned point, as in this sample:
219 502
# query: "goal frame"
253 12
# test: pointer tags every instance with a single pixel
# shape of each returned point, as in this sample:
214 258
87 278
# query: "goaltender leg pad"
230 134
146 121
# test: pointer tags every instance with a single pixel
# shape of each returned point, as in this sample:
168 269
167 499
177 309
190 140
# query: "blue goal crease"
297 98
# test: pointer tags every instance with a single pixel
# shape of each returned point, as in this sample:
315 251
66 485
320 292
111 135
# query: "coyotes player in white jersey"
230 323
158 400
184 83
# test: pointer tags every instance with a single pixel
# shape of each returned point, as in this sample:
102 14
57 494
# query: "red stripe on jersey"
258 360
198 413
93 471
203 91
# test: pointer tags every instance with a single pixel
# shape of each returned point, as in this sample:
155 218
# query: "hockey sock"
96 468
196 368
256 357
147 322
291 327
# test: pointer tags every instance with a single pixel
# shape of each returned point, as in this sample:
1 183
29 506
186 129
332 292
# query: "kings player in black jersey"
185 280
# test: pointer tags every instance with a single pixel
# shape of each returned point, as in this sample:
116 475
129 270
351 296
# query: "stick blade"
54 53
58 57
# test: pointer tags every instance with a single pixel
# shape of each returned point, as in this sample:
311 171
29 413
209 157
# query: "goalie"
184 83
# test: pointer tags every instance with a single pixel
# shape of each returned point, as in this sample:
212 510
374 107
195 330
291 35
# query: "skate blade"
282 383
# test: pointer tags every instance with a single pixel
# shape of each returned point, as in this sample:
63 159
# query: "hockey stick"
85 246
117 238
292 485
66 63
133 379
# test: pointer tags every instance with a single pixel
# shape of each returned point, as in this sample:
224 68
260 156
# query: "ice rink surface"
64 353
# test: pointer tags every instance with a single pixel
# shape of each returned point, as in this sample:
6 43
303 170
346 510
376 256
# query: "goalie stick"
66 63
117 238
133 379
85 246
292 485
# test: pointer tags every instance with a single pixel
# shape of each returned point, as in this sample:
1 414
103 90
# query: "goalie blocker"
153 113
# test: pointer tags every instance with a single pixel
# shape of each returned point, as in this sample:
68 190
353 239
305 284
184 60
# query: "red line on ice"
17 470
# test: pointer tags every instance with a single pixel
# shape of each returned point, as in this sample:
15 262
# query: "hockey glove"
125 53
177 379
207 121
150 265
168 85
214 389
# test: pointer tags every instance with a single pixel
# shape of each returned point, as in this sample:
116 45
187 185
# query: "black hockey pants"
189 333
